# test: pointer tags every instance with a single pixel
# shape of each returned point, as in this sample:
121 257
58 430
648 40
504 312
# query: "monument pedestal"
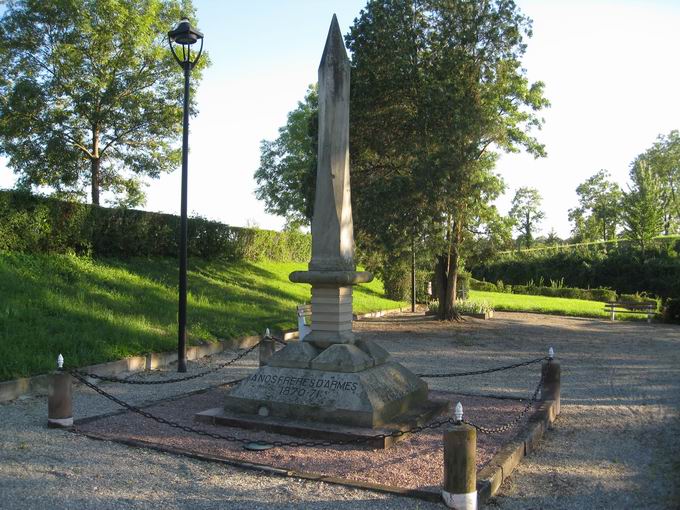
344 391
419 415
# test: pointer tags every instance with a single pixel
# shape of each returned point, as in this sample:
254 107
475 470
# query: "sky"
610 69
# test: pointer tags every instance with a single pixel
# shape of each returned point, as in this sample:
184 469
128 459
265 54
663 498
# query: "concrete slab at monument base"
418 416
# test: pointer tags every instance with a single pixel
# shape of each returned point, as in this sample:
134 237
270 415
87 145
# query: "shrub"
482 286
463 306
34 224
641 299
604 295
671 310
473 306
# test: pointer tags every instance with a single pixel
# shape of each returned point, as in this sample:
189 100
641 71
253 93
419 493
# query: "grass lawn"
550 305
101 310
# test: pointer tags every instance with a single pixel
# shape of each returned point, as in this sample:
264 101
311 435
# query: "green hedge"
621 267
605 295
35 224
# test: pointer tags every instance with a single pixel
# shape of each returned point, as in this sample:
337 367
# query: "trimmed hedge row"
605 295
34 224
622 268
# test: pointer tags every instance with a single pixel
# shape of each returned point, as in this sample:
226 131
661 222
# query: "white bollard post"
551 381
59 399
460 465
266 349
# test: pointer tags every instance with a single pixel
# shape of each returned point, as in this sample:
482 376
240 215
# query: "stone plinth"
369 398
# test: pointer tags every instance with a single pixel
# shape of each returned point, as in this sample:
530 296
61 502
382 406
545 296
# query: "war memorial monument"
330 381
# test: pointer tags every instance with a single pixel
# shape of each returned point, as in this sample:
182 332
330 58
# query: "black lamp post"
185 36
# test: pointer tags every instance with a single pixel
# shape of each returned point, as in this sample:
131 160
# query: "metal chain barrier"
296 444
277 340
79 375
242 440
488 370
516 419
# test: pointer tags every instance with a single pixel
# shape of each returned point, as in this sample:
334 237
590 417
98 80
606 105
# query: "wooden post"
551 383
460 465
266 349
60 399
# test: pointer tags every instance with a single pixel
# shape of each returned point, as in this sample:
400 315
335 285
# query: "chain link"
486 371
242 440
277 339
296 444
79 374
512 424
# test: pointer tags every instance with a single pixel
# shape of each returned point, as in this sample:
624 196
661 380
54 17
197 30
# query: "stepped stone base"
370 398
418 416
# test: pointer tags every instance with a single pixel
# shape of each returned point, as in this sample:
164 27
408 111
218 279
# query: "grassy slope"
99 310
549 305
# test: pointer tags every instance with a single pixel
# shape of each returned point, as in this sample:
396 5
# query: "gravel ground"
615 445
417 463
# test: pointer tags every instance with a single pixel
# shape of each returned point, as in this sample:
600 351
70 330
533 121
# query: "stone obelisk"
331 376
332 270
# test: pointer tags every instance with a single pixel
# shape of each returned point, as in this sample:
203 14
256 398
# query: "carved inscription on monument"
305 387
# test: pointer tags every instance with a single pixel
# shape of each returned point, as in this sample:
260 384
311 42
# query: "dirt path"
616 444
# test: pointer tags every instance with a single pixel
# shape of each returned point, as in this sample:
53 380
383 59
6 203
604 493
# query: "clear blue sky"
610 70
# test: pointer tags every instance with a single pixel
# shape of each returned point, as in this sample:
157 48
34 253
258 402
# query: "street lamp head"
183 33
185 36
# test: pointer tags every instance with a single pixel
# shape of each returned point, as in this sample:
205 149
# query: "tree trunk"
95 163
446 274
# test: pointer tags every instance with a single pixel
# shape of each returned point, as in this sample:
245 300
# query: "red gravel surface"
414 463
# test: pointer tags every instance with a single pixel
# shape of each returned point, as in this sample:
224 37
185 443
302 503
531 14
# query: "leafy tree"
90 94
643 218
287 174
663 160
599 213
527 213
436 88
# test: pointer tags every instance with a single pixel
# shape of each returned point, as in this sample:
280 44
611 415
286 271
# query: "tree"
552 239
527 213
91 94
287 174
642 216
599 213
663 160
437 88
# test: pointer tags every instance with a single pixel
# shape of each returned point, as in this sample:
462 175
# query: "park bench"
303 311
620 307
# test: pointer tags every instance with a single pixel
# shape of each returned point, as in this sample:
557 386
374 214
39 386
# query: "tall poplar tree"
643 218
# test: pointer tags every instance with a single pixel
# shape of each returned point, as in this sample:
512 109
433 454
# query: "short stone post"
551 381
59 399
266 349
460 464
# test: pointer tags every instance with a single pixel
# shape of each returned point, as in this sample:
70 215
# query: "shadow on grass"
95 311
